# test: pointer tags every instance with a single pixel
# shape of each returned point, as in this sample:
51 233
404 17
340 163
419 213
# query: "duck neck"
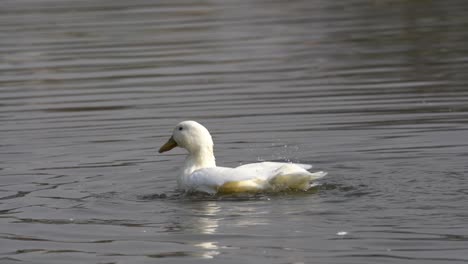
199 159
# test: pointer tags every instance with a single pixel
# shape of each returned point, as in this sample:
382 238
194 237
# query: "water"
374 92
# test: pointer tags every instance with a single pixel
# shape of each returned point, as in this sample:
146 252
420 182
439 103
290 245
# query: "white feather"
200 172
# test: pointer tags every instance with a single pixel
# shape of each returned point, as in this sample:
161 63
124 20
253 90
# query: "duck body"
254 177
200 173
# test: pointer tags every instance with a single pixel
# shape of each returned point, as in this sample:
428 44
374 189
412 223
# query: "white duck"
200 173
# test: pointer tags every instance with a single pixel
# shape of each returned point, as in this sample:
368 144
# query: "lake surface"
374 92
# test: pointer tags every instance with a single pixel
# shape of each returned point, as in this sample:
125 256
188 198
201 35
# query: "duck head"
191 136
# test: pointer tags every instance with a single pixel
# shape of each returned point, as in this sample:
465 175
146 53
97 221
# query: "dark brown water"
374 92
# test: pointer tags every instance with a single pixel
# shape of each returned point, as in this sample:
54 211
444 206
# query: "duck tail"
294 178
317 175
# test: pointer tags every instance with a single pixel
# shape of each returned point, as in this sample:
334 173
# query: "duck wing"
220 179
269 166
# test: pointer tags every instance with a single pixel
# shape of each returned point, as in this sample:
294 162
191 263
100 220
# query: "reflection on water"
374 92
207 223
211 249
198 218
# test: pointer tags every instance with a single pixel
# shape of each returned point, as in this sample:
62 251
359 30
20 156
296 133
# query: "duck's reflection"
200 219
206 217
208 223
199 223
211 249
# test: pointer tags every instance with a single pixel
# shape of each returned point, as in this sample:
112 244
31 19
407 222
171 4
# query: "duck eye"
181 128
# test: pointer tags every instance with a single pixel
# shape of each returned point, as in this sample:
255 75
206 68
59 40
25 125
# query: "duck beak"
170 144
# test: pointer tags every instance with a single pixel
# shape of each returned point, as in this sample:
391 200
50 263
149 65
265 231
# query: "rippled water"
374 92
